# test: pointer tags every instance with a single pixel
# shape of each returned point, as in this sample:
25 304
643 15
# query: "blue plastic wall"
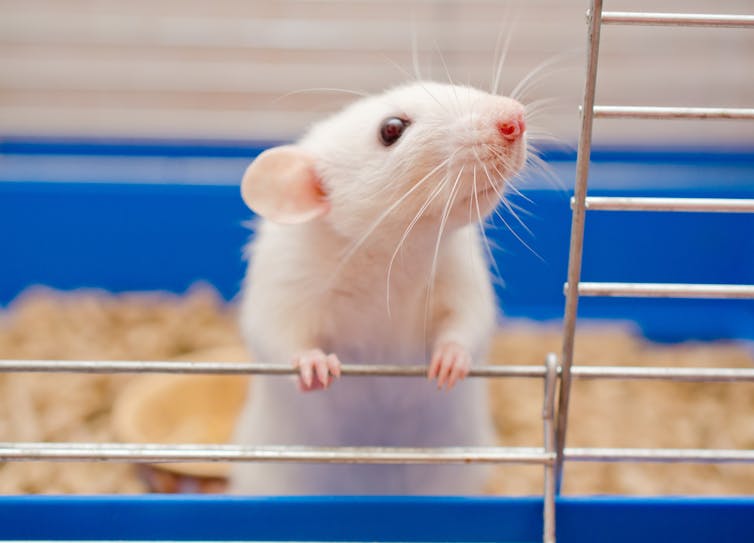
503 520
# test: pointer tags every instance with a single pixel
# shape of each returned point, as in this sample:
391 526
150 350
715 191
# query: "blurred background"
223 69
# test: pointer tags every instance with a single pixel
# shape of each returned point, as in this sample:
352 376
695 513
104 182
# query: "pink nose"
513 128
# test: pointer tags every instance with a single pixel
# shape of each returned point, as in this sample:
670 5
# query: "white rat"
369 251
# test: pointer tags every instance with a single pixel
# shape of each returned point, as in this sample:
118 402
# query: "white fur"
324 285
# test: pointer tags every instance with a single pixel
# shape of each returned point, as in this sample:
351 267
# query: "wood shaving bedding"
95 325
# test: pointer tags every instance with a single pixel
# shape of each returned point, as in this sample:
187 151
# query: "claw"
306 374
333 365
315 369
450 363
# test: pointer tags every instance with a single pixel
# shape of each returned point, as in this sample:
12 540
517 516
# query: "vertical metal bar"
548 424
594 19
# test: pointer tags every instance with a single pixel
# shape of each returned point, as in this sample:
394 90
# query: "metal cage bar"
705 205
680 375
656 112
594 17
696 456
550 436
157 453
666 290
250 368
152 453
244 368
677 19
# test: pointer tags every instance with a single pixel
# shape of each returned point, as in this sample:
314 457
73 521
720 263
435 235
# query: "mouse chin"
476 206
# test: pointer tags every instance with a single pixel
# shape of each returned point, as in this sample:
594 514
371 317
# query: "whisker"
450 79
400 68
512 211
435 257
482 227
519 238
440 187
497 73
536 108
419 82
502 218
521 209
533 160
534 104
510 184
415 50
360 93
535 136
471 200
536 163
541 136
444 219
443 106
535 80
517 90
355 246
505 202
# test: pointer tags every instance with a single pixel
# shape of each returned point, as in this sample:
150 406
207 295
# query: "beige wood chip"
198 326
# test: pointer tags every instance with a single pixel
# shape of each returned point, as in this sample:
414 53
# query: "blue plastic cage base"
505 520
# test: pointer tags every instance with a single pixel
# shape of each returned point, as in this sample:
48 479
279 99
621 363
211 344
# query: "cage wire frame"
557 373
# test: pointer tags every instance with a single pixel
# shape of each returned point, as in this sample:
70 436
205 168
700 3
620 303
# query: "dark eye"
392 128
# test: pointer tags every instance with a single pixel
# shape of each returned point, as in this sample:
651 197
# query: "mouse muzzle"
513 128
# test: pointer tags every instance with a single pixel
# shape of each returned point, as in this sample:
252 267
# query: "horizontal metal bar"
693 456
243 368
691 375
653 112
708 205
237 368
154 453
677 19
666 290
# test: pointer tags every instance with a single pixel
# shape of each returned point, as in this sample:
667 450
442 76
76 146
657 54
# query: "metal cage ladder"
574 288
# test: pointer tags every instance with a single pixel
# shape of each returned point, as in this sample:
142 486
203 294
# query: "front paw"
316 369
450 363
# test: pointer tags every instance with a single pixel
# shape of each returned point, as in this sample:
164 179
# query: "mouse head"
422 151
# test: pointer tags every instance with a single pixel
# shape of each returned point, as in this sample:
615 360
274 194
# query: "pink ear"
282 186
